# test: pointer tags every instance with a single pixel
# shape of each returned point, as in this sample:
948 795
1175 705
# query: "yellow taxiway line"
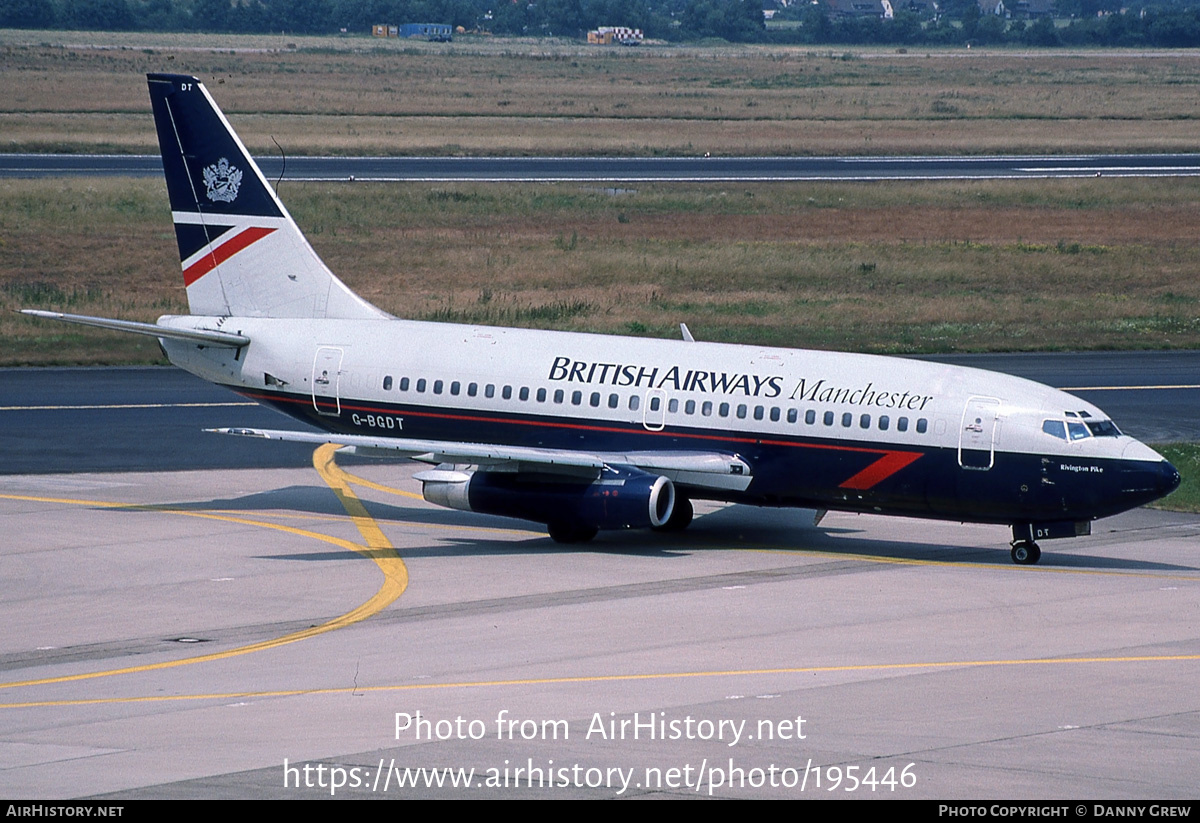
615 678
376 547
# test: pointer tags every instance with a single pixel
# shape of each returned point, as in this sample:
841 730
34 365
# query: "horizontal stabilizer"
707 470
210 336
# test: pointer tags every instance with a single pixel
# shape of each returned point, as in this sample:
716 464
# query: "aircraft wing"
702 470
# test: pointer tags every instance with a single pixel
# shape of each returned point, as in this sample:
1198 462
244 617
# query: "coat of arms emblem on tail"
222 181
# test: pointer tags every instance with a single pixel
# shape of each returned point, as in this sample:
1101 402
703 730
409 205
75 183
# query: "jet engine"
573 510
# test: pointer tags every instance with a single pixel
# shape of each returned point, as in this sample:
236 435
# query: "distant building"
1017 9
436 32
607 35
858 8
1031 9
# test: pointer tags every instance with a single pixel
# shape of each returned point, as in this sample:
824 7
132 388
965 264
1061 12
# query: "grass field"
896 267
1186 458
358 95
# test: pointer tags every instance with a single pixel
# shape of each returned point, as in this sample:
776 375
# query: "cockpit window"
1055 428
1103 428
1080 430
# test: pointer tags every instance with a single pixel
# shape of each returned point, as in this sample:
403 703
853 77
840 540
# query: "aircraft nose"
1168 478
1146 476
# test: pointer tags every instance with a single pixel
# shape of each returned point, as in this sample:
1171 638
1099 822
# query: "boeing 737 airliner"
584 432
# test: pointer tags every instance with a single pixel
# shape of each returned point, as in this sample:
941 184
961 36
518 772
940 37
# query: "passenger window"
613 401
403 384
847 420
523 394
472 389
594 400
793 415
541 395
828 418
437 386
741 411
1055 428
387 383
489 390
672 405
922 425
558 395
902 424
723 410
455 388
706 408
689 407
506 393
865 421
655 403
810 417
576 397
634 402
758 412
883 422
775 415
421 384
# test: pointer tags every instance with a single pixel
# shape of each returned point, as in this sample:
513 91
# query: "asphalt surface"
152 419
227 634
634 169
251 632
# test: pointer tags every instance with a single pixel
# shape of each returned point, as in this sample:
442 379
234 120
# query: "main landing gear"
1025 552
569 532
681 516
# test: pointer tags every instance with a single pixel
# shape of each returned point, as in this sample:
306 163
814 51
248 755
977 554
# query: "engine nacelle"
622 497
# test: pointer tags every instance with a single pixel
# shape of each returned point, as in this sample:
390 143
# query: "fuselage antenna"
282 154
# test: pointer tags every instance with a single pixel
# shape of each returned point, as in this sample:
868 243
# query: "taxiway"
187 634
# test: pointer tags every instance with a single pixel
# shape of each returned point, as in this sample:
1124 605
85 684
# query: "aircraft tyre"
1026 553
681 516
571 532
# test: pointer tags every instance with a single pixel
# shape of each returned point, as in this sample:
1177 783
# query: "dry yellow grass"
897 267
360 95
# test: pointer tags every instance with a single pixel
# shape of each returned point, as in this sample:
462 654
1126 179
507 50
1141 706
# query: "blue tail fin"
241 252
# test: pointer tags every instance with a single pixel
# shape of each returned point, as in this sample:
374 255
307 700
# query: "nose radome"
1165 476
1169 478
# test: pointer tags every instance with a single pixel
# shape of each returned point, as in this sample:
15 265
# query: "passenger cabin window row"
705 408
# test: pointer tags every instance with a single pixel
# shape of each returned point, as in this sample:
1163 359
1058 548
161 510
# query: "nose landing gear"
1025 552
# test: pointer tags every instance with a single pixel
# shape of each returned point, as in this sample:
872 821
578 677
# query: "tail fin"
242 254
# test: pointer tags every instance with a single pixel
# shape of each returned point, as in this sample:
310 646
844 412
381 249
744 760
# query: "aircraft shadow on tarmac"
732 528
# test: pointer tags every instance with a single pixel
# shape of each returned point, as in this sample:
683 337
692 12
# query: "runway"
635 169
185 634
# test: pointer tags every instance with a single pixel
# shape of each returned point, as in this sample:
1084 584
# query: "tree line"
1165 23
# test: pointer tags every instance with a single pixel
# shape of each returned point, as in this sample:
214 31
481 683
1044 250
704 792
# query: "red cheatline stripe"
884 467
223 252
888 464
